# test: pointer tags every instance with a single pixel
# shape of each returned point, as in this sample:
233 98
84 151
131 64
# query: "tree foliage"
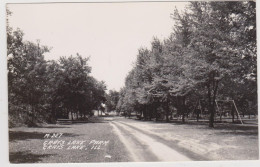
111 100
41 90
210 55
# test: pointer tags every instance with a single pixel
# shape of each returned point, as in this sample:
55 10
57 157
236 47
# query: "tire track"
161 151
173 144
138 152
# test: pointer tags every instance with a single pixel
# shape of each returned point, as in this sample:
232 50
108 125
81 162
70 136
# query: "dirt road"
150 141
143 147
118 139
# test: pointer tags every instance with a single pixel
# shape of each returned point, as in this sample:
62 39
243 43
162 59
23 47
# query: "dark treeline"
210 55
43 91
111 100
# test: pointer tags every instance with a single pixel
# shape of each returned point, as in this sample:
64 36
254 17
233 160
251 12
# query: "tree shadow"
235 127
221 128
107 116
244 133
20 135
26 157
97 120
245 130
53 127
232 129
171 121
189 123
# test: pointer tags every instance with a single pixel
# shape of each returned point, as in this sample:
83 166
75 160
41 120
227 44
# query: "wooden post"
237 111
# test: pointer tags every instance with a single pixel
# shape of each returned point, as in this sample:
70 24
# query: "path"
132 140
143 147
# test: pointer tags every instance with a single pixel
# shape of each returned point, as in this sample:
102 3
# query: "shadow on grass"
20 135
107 116
245 130
26 157
229 128
218 125
97 120
53 127
171 121
94 122
236 127
244 133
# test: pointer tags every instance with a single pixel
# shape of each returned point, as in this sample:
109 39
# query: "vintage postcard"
92 82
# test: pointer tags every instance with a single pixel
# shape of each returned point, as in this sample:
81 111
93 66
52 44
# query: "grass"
26 144
226 141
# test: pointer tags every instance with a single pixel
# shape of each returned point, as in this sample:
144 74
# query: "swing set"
221 111
224 108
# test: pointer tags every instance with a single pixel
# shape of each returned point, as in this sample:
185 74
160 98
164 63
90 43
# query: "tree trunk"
167 116
166 108
212 92
198 115
184 111
53 114
211 118
157 115
183 117
145 114
71 115
33 114
197 111
150 113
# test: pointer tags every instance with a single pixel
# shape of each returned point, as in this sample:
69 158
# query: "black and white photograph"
108 82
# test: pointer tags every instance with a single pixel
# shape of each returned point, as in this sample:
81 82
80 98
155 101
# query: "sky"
110 33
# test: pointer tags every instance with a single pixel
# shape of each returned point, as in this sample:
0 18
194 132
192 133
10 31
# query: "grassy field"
224 142
26 144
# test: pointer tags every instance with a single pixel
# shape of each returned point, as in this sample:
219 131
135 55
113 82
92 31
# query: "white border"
4 152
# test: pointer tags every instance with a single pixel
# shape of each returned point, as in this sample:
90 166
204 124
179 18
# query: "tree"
111 100
212 48
218 42
41 90
26 71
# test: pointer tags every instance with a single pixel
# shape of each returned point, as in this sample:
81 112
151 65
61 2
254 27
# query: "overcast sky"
111 33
